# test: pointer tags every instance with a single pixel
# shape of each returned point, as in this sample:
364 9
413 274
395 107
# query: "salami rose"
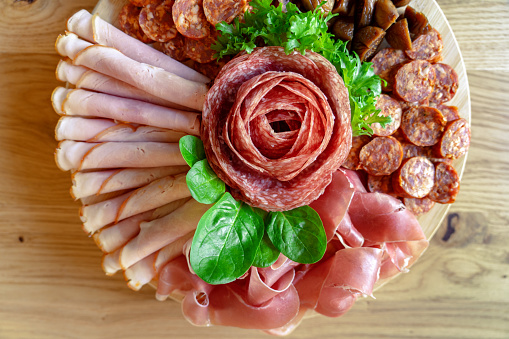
276 126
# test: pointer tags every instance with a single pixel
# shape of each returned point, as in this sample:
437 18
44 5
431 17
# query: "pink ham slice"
77 156
95 29
85 103
69 45
101 130
171 251
141 273
155 194
67 72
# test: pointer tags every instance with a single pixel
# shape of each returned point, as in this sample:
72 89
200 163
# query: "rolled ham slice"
57 98
95 29
85 103
140 273
153 195
90 183
110 263
101 130
67 72
77 156
69 45
171 251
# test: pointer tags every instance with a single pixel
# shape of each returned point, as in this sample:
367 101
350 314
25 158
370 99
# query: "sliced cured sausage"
200 50
217 11
352 160
175 48
128 19
142 3
427 47
384 65
450 112
156 21
380 183
388 108
415 178
410 150
419 206
414 81
189 18
423 126
454 141
381 156
447 184
446 84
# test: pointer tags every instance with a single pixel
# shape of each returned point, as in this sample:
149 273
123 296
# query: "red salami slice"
419 206
381 156
156 21
128 19
175 48
447 184
388 108
455 140
200 49
449 112
352 160
446 84
423 126
189 19
414 81
271 169
427 47
415 178
217 11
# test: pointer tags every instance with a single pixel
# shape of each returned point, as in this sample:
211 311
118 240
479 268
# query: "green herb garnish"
295 30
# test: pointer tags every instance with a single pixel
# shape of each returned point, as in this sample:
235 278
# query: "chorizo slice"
380 183
381 156
200 50
450 112
423 126
419 206
446 84
414 81
388 108
410 150
428 47
385 64
174 48
143 3
447 184
156 21
128 20
352 160
217 11
415 178
190 19
406 105
455 140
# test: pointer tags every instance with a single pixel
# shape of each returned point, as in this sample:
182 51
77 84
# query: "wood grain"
51 283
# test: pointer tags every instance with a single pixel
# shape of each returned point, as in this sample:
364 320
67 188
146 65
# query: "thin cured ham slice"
80 102
153 80
95 29
158 233
153 195
94 183
261 288
77 156
141 273
102 130
67 72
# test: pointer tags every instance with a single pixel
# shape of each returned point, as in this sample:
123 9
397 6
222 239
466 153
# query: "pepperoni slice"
381 156
128 19
415 178
423 126
200 49
455 140
446 84
190 19
388 108
446 186
414 81
175 48
156 21
419 206
427 47
352 161
217 11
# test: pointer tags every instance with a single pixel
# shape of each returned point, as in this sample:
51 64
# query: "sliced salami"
455 140
415 178
388 108
380 183
190 19
414 81
423 126
217 11
381 156
352 160
446 84
419 206
446 186
427 47
175 48
128 19
449 112
156 21
200 50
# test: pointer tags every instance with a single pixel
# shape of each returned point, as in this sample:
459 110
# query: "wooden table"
51 282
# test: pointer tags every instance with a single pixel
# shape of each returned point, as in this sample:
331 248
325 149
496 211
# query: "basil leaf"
225 242
192 149
298 234
266 254
204 184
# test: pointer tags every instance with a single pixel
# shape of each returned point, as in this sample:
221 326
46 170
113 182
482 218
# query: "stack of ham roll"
121 121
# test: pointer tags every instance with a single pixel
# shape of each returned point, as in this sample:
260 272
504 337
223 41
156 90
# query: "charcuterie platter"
230 192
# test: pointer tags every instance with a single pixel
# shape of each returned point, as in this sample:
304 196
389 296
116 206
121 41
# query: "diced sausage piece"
343 28
381 156
142 3
175 48
190 19
364 13
423 126
366 41
415 178
400 3
380 183
450 112
128 19
343 7
455 140
419 206
217 11
388 107
352 161
417 22
156 21
427 47
385 14
398 35
446 84
414 81
384 65
200 50
446 186
410 150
